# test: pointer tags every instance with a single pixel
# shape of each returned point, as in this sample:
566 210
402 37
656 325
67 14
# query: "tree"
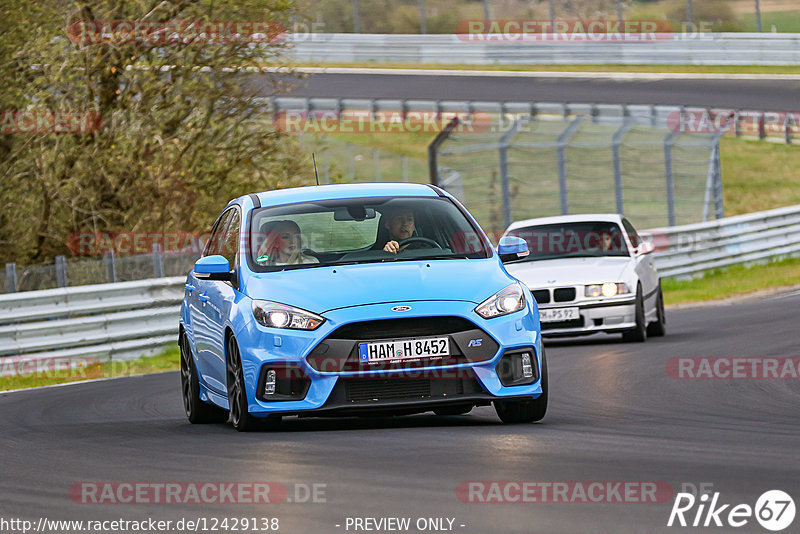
182 130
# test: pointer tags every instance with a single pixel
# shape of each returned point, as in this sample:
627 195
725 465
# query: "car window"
357 231
578 239
321 232
217 232
229 244
634 237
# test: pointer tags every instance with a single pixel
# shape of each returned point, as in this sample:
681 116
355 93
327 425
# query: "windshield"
365 230
578 239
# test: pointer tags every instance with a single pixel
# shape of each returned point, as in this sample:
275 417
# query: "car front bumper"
345 392
609 317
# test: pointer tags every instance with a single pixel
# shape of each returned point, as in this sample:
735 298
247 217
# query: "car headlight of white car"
276 315
508 300
608 289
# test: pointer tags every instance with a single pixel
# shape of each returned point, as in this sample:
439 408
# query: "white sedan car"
590 273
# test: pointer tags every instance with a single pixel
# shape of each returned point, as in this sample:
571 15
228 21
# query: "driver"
610 240
400 223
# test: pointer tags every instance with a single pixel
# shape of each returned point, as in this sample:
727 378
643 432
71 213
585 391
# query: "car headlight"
505 301
609 289
276 315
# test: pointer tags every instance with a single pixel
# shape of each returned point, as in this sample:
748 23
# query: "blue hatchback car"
357 299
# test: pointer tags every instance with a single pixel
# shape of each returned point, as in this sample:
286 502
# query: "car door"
206 331
219 297
645 268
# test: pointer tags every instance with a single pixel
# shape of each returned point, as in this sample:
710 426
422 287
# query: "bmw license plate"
403 349
550 315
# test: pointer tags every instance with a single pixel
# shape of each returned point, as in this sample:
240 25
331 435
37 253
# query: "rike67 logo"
774 510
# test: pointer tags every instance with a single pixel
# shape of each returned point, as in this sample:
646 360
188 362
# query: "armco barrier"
680 119
686 251
668 49
104 322
126 320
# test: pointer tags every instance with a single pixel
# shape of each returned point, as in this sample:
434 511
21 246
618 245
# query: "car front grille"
340 350
398 328
357 390
362 391
542 296
564 294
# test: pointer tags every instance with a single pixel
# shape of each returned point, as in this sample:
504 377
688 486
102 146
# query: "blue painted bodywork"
344 294
512 245
212 265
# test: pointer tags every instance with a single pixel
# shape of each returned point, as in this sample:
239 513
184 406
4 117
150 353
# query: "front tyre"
659 327
639 332
197 411
525 411
240 417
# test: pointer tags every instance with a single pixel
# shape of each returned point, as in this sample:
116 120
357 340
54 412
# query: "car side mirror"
512 248
645 247
214 267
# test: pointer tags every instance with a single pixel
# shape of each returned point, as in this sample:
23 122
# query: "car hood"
570 271
321 289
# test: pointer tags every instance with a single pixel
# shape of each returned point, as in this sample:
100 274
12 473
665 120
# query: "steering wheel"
421 240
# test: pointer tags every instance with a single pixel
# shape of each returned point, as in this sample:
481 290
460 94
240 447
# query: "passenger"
282 245
400 224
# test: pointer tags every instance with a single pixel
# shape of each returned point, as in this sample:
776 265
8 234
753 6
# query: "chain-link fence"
340 161
64 272
657 164
551 165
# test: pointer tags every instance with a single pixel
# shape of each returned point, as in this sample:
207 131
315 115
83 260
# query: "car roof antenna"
314 158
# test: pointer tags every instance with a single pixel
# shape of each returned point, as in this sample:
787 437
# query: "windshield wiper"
442 257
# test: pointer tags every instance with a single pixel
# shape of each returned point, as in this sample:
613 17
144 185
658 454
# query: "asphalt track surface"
774 95
615 415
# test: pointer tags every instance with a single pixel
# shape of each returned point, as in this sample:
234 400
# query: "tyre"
659 327
453 410
639 332
240 418
197 411
525 411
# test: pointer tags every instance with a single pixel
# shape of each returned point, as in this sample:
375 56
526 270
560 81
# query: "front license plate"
403 349
551 315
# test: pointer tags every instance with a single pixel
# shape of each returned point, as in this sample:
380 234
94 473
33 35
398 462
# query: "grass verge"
758 175
732 282
168 360
783 21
